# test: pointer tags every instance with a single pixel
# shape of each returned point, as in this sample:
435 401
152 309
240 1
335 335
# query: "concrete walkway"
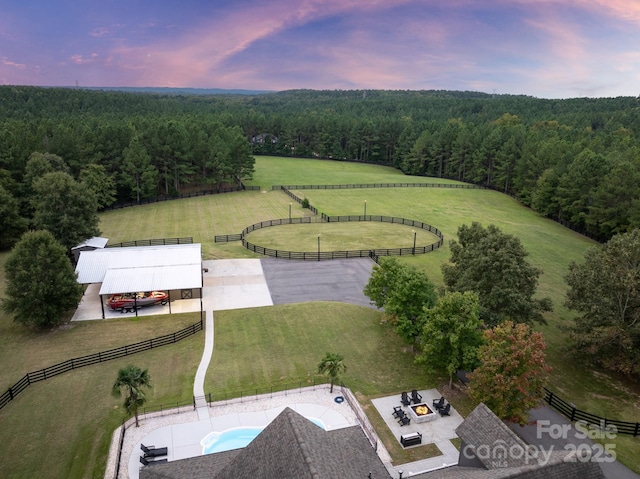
227 284
198 383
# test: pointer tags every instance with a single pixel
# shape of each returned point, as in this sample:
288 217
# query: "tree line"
575 160
481 320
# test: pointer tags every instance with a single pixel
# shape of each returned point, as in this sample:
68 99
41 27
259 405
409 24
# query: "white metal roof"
155 278
145 268
95 242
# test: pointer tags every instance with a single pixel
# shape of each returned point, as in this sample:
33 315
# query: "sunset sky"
543 48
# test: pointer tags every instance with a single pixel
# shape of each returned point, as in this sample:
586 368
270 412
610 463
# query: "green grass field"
77 406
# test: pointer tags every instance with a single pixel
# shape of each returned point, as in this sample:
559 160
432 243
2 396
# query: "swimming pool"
236 438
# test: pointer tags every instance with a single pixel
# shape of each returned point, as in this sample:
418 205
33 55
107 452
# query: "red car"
127 302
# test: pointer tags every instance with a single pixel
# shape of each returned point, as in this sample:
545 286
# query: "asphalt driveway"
291 281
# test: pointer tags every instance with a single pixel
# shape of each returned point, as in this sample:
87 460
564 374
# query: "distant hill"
177 91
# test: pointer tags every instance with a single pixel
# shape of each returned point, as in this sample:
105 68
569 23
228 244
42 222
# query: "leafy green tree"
615 206
39 164
451 335
493 264
66 208
133 380
512 372
137 173
240 158
12 225
544 198
605 290
41 282
384 278
102 184
403 292
578 184
333 366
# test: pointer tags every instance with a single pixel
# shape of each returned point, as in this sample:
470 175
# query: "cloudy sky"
544 48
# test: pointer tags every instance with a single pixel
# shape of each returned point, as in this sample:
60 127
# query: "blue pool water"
236 438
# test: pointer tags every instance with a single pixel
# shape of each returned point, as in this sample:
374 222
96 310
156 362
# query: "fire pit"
422 413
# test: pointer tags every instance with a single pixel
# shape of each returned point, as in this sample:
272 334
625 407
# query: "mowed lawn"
250 343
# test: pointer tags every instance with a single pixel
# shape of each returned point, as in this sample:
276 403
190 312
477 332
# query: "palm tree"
133 379
333 365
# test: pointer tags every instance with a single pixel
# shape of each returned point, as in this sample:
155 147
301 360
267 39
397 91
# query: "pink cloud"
9 63
199 56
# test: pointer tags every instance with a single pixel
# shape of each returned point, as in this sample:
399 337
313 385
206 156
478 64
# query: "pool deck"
183 432
241 283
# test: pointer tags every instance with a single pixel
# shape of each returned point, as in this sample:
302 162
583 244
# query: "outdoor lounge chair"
398 412
444 411
438 403
153 451
416 397
151 463
404 421
404 399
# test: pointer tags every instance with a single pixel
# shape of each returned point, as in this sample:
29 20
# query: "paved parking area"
293 281
249 283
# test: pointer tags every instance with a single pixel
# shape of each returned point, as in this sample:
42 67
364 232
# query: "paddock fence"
330 255
95 358
574 414
153 242
379 185
193 194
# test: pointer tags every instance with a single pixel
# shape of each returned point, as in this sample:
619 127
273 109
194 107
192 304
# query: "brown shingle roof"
483 429
291 446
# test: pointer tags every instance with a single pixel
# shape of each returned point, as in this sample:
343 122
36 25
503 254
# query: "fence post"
636 431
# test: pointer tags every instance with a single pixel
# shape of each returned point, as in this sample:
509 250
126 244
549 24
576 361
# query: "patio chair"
153 451
416 397
404 421
445 410
151 463
404 399
398 412
438 403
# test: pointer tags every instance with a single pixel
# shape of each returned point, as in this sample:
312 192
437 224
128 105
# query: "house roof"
555 468
291 446
504 455
483 428
146 268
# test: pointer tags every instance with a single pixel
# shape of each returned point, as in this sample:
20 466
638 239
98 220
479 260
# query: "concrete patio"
439 431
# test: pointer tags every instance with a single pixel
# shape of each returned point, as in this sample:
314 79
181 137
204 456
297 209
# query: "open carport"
174 269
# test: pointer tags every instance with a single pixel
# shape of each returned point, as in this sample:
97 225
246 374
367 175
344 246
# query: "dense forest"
575 160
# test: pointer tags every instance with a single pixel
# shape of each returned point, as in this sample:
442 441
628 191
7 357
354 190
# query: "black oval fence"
329 255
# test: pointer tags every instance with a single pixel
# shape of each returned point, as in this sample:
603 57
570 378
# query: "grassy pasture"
62 427
77 406
340 236
272 170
